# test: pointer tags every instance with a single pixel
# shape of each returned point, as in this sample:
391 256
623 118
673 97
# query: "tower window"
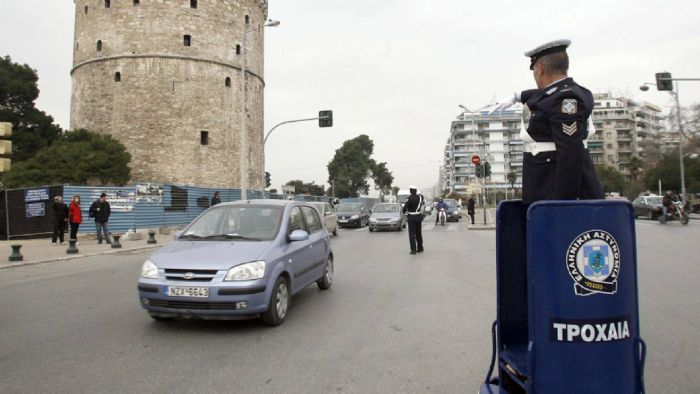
193 3
117 76
187 40
86 10
137 2
227 82
77 45
108 3
204 137
247 19
238 49
99 45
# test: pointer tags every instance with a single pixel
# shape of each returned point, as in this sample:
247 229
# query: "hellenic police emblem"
593 261
569 106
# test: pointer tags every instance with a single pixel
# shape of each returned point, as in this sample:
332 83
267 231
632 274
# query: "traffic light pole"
262 184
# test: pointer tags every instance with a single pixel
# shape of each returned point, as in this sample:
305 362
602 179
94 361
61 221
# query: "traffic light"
663 81
267 179
325 118
479 170
487 169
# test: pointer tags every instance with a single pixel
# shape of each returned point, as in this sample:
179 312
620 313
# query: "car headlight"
149 270
373 220
355 217
247 271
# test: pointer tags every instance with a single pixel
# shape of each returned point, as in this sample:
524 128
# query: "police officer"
556 162
413 209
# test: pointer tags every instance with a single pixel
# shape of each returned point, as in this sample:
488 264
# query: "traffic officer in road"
413 209
556 162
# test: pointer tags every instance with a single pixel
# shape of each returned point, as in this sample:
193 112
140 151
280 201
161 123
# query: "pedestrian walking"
75 217
216 199
556 162
470 208
100 210
413 209
60 218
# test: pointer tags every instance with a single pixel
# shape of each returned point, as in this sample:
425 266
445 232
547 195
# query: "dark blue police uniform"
559 115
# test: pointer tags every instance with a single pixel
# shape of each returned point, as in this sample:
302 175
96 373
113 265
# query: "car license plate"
178 291
342 221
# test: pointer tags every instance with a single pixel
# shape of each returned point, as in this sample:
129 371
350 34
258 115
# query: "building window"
137 2
107 3
187 40
247 19
99 45
238 49
86 10
227 82
77 45
117 76
193 3
204 137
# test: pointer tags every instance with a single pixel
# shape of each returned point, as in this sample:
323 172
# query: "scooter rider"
413 208
440 205
667 203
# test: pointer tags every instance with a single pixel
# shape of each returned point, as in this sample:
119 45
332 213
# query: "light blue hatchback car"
239 260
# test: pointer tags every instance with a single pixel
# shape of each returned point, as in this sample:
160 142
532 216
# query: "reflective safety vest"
418 209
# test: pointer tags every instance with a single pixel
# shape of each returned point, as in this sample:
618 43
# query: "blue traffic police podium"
567 304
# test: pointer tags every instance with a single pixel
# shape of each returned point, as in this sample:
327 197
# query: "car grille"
198 275
383 219
192 305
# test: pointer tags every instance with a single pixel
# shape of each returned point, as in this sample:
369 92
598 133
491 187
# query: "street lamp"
243 146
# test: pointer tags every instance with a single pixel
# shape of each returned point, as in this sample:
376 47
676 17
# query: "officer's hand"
503 104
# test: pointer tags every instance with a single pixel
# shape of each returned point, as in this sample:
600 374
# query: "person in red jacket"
75 217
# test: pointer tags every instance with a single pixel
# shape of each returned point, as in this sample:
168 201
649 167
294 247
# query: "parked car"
238 260
353 214
387 216
330 219
648 206
453 212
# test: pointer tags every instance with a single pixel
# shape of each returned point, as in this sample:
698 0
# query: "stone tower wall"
168 93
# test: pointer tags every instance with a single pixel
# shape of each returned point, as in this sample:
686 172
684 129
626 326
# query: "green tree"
610 178
512 177
32 129
395 190
307 188
352 166
668 171
383 179
636 166
78 157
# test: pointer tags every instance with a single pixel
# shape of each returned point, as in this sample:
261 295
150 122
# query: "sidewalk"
38 251
479 219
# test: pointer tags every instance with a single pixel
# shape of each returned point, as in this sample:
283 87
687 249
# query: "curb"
77 256
482 227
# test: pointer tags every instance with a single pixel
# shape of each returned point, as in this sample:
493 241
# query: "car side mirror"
178 234
370 211
298 235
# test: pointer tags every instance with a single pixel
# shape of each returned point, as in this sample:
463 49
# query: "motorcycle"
442 215
676 211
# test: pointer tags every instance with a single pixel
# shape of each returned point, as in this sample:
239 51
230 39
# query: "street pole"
262 185
243 146
680 142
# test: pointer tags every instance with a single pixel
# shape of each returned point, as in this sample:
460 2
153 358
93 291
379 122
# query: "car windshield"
654 200
386 208
451 203
242 222
348 207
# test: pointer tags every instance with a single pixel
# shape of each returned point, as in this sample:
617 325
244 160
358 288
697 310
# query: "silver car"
330 219
387 216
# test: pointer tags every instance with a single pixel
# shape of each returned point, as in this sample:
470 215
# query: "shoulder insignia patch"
569 129
569 106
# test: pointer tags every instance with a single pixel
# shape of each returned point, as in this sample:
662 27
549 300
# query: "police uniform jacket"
413 208
559 114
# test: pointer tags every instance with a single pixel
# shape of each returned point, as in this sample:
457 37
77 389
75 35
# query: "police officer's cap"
412 187
546 49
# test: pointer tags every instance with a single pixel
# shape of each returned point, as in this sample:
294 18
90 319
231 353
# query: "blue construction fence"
151 205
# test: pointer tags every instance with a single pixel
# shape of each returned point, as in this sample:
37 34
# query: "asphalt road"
392 323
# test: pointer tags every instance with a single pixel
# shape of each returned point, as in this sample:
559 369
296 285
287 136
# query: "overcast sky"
398 69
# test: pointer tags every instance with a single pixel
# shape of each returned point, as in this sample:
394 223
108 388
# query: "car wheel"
278 305
326 280
161 318
370 229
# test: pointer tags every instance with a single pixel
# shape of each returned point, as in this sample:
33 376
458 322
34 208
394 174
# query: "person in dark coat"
413 209
100 210
470 208
556 162
216 199
60 218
